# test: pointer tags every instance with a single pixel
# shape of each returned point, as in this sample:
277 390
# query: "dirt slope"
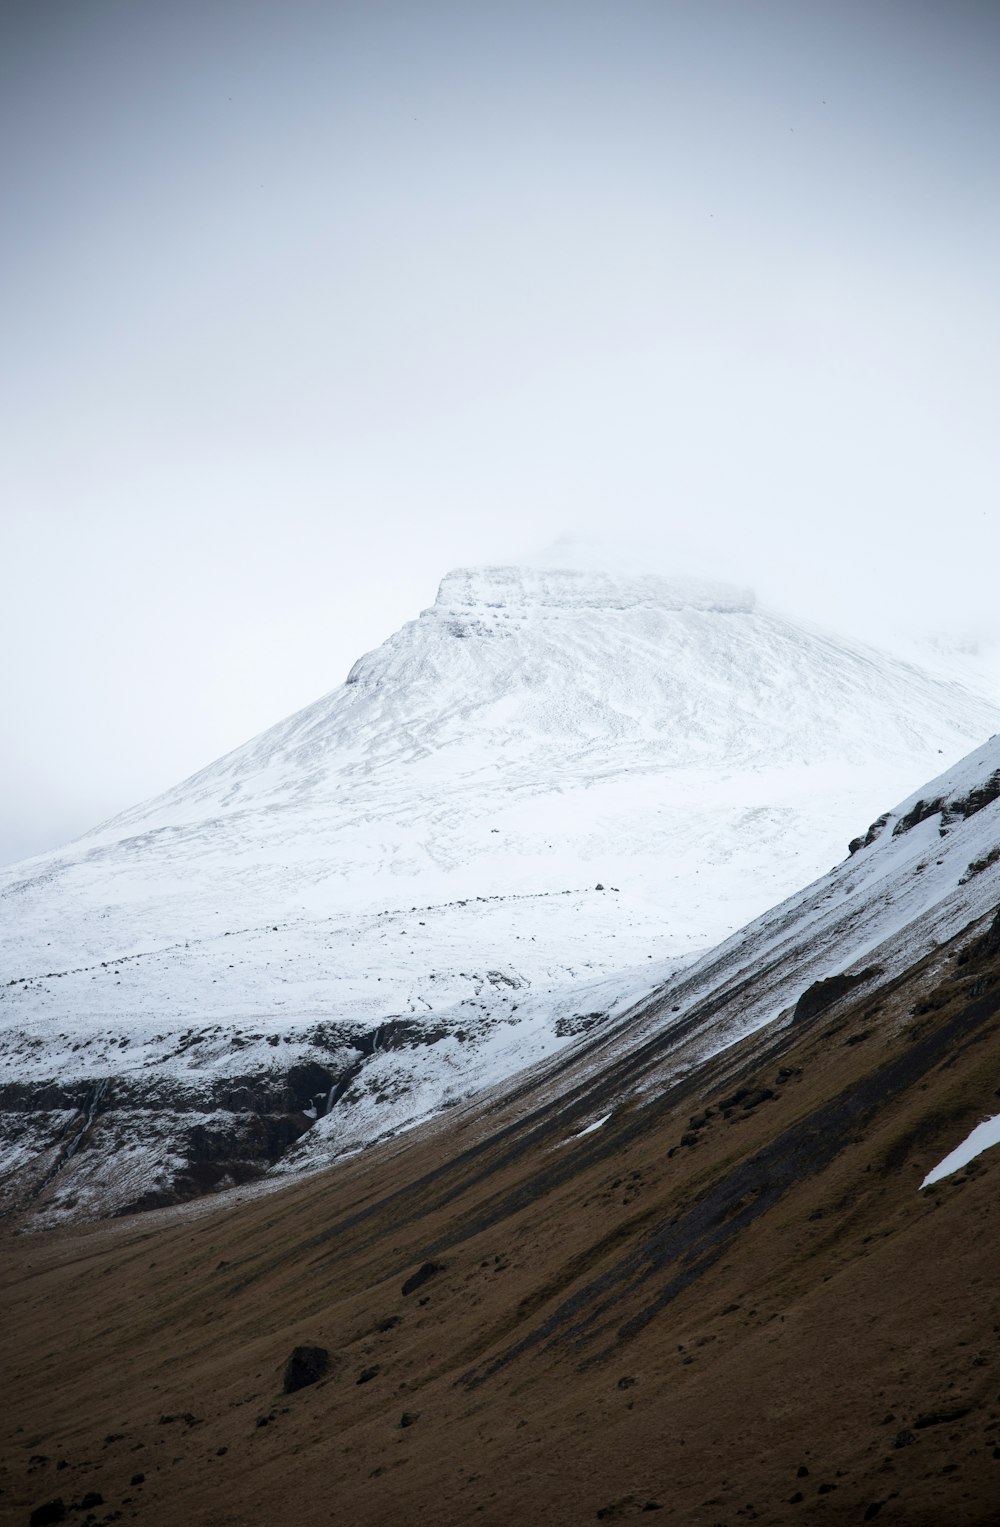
728 1303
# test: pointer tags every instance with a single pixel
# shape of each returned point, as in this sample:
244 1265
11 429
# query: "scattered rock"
393 1320
408 1417
305 1366
872 1511
51 1511
903 1439
793 1500
420 1277
137 1479
939 1417
626 1381
90 1500
367 1374
801 1472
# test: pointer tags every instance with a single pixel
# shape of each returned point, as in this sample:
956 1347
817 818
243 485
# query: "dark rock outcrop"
305 1366
420 1277
50 1511
822 994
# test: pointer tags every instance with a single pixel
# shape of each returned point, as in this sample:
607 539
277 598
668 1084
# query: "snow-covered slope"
526 809
923 872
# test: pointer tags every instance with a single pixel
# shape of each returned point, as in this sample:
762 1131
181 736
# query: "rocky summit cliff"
524 812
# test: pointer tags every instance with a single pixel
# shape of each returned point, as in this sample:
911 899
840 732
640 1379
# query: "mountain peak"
574 588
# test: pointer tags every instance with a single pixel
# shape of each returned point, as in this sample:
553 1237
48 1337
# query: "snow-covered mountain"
526 810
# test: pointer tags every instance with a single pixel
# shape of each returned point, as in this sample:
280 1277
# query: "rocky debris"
367 1374
905 1438
420 1277
409 1417
305 1366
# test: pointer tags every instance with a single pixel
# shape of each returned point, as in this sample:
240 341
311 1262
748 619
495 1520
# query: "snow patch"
981 1139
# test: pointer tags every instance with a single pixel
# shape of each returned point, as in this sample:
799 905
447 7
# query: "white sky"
304 304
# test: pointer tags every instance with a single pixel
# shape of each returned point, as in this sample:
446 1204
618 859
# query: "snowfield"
531 807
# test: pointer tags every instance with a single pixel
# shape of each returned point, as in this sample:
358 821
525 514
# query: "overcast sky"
303 304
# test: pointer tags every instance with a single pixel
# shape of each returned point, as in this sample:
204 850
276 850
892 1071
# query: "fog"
304 305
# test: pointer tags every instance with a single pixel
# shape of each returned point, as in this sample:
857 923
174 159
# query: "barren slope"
730 1302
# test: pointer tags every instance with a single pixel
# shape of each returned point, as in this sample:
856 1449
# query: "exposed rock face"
823 994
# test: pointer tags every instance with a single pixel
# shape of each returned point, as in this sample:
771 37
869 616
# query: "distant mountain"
522 813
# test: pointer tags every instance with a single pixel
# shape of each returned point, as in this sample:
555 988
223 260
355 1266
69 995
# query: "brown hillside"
729 1303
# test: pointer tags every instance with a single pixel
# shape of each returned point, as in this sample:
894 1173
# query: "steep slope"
622 1286
528 808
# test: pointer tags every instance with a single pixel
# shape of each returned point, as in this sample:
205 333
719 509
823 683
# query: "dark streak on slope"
695 1240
